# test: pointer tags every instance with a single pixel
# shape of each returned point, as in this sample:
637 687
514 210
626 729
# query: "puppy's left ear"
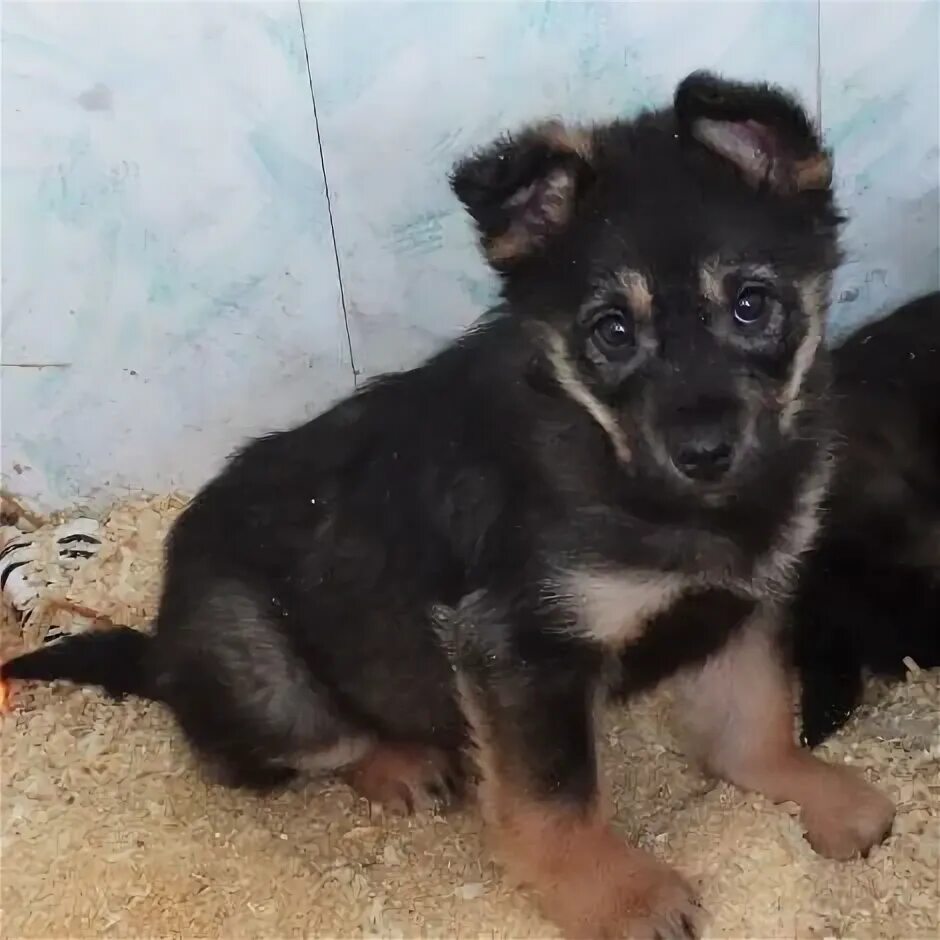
758 128
522 191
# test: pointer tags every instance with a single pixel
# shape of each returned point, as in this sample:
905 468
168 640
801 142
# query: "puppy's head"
677 270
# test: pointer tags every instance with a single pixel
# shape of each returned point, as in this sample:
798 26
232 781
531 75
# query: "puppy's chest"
624 609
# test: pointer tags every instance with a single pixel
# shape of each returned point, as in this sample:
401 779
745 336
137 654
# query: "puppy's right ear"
523 190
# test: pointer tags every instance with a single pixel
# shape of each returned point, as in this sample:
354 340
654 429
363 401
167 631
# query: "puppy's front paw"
846 816
618 892
406 778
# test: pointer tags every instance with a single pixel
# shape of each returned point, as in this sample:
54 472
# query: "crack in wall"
329 201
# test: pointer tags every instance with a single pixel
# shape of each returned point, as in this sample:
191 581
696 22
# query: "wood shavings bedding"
108 829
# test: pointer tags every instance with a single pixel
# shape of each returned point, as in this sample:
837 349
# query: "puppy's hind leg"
406 778
739 709
242 695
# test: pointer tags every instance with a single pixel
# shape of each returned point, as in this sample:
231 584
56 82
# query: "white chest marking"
614 607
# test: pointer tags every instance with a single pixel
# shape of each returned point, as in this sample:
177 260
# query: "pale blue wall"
166 235
880 90
165 238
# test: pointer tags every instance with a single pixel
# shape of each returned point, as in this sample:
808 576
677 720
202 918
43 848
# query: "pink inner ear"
737 137
756 150
545 203
525 199
749 145
765 139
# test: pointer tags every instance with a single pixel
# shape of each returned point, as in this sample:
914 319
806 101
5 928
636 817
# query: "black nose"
704 460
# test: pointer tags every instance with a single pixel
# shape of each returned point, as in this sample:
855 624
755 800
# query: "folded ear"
758 128
522 190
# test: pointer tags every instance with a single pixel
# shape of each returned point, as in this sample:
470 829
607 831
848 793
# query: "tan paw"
846 816
622 892
406 778
671 912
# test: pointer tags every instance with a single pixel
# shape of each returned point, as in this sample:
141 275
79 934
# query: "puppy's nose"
705 460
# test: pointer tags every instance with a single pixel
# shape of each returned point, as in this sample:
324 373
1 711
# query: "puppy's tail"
115 659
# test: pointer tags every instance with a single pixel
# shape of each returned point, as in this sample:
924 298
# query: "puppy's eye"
751 306
613 330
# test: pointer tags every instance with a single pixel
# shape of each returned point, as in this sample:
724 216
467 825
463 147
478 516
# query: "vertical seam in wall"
819 67
329 201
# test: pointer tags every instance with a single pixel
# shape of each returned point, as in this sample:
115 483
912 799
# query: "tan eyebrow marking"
713 272
636 289
711 282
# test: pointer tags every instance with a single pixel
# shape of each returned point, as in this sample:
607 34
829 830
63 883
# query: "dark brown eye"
613 330
751 305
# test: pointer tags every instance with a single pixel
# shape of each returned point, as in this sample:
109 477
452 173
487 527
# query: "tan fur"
345 752
814 172
636 289
518 241
776 572
512 244
586 879
577 391
557 207
614 607
738 708
400 776
712 276
499 773
481 745
814 299
561 137
711 282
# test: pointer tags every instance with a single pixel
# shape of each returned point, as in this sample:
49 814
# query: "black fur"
114 660
551 440
694 627
870 593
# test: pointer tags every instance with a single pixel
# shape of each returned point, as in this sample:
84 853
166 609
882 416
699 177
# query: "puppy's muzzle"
702 439
705 459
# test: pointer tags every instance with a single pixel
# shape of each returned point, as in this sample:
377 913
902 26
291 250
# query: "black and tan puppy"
628 460
869 593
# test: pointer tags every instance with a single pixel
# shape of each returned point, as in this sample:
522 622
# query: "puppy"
627 461
869 594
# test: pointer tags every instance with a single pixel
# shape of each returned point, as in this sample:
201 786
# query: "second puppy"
869 593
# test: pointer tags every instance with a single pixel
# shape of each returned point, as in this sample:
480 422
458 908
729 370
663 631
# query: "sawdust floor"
109 830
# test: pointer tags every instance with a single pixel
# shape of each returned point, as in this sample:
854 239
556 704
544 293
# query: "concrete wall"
176 279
